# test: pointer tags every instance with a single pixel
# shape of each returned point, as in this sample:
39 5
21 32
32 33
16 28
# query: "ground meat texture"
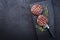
37 9
42 20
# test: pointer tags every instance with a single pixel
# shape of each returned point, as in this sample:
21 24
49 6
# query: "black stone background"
16 21
56 5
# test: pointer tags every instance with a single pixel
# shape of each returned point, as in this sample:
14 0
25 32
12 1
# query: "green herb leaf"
46 11
40 28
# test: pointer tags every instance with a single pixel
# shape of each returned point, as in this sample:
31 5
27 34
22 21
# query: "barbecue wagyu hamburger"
42 20
36 9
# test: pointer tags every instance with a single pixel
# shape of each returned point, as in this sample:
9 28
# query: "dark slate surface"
56 4
15 20
16 24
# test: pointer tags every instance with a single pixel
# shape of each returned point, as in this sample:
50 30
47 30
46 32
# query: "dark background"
16 21
56 4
